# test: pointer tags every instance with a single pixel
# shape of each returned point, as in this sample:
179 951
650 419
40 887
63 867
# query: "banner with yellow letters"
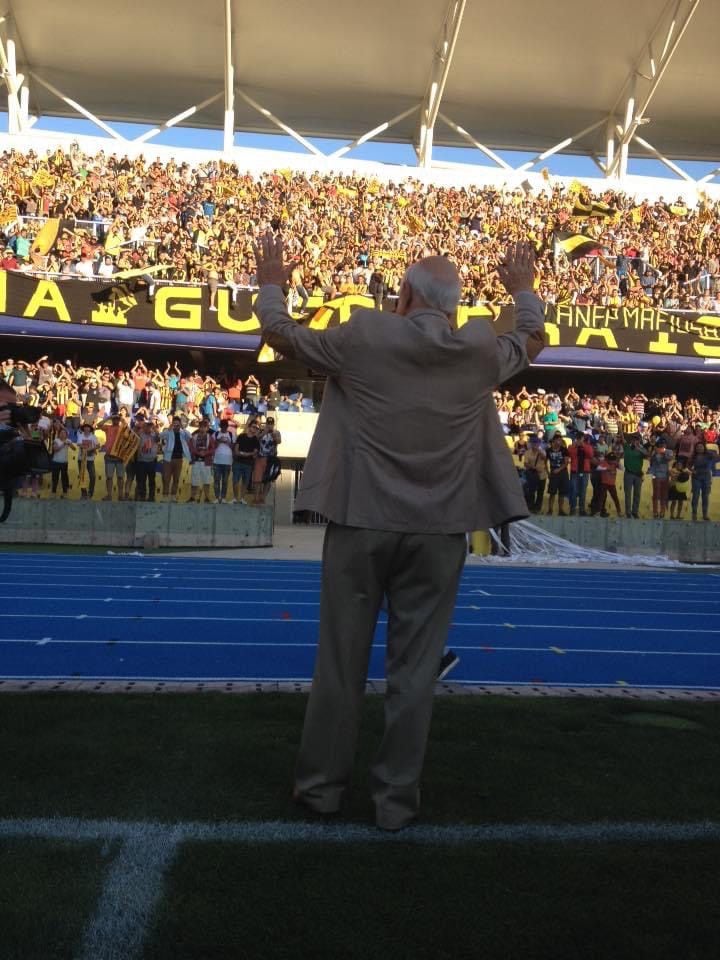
186 310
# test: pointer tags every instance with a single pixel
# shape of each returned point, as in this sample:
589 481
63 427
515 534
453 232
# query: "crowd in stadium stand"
574 448
350 234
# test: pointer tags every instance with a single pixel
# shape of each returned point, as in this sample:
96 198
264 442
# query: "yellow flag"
47 235
266 354
576 187
8 215
113 243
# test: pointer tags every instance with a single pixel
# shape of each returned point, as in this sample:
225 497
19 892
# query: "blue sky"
399 153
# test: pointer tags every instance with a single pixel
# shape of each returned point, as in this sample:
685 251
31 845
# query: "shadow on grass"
219 757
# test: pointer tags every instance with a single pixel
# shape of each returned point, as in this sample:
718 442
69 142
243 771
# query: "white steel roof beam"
561 146
476 143
659 156
442 61
229 116
178 118
682 13
376 131
278 123
17 99
79 108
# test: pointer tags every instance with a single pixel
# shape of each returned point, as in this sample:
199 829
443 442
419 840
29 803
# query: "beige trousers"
419 574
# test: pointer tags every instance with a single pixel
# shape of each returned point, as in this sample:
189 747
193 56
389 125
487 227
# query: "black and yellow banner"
185 310
576 245
593 208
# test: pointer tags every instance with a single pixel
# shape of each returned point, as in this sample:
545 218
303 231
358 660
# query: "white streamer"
530 544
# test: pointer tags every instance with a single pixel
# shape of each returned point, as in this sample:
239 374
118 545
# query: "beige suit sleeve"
511 352
323 350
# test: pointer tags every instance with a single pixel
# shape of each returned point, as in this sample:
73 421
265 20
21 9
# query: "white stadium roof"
508 74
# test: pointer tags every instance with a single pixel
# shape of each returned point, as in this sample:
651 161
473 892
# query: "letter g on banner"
175 309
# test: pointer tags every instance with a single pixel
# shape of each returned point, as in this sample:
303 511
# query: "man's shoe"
311 810
448 662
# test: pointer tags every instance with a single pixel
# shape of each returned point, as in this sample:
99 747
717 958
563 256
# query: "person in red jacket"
608 472
581 454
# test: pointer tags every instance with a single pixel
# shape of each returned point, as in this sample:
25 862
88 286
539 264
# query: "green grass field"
494 760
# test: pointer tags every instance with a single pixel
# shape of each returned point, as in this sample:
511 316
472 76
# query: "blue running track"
128 617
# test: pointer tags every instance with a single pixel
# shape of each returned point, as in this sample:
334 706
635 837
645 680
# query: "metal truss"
442 61
178 118
622 122
376 131
19 119
229 115
643 81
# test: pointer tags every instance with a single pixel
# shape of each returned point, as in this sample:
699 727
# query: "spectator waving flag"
593 208
575 245
49 233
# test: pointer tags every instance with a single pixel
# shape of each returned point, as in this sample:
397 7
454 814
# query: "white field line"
279 831
132 890
605 628
134 884
485 648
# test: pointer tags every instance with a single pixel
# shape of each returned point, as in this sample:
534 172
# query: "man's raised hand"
270 266
517 270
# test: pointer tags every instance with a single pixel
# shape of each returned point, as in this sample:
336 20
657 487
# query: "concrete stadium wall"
134 524
678 539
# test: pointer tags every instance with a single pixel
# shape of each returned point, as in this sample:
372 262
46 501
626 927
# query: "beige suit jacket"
408 437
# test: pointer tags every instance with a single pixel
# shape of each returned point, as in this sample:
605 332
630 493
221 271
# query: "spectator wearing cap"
535 468
634 456
659 470
9 260
558 479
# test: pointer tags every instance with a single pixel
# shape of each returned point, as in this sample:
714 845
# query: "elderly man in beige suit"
408 455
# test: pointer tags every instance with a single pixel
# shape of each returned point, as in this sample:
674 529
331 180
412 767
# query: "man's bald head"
434 282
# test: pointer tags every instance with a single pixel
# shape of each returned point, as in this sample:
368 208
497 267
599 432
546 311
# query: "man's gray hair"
440 293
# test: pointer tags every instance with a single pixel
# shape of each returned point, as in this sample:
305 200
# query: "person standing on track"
407 456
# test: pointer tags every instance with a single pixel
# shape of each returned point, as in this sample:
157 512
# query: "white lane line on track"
247 584
295 620
462 594
485 648
316 603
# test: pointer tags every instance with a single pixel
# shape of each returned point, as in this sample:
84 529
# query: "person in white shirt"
106 268
87 445
59 462
222 460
